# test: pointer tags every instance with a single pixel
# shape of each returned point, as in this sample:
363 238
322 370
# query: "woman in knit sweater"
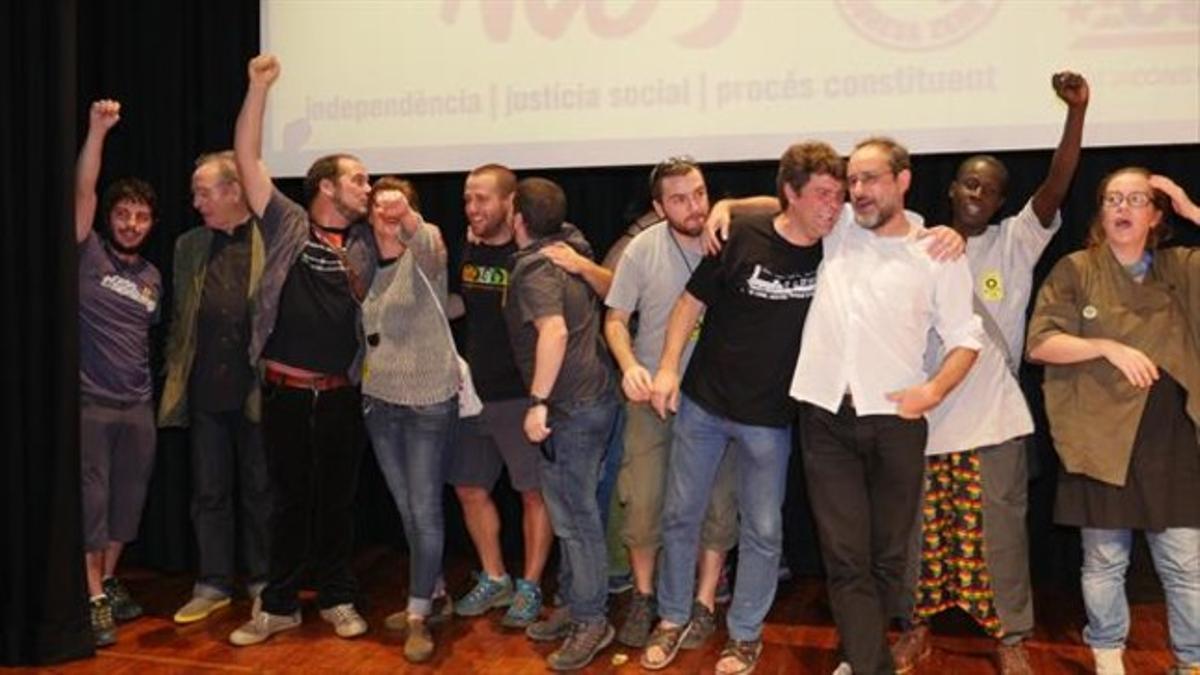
410 389
1118 325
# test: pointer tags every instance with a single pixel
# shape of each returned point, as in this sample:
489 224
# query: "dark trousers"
864 478
314 442
228 459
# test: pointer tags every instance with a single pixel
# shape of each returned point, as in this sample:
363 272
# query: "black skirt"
1162 488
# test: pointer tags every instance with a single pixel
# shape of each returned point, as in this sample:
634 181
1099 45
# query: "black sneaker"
584 641
124 608
704 624
104 628
639 621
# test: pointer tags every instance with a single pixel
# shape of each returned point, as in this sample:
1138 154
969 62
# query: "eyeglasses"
1135 200
671 166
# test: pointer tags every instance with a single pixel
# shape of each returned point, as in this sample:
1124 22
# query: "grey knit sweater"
412 361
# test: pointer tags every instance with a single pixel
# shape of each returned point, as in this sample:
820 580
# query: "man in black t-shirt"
318 265
754 297
495 438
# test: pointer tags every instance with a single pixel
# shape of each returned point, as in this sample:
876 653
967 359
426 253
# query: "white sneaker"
346 620
200 607
1108 661
262 626
843 669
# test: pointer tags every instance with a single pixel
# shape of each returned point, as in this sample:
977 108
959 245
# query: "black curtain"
42 596
179 71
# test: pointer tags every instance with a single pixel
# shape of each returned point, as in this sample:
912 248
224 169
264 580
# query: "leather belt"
311 382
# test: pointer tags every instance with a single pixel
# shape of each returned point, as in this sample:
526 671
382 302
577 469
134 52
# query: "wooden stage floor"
799 633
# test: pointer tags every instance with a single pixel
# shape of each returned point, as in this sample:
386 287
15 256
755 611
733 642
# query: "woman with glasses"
1118 327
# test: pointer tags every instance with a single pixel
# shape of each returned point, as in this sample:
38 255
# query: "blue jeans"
570 467
611 467
1176 553
762 459
411 443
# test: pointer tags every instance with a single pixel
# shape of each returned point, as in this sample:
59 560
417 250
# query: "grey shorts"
116 449
485 441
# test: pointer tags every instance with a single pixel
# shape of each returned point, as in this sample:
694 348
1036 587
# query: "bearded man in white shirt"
864 391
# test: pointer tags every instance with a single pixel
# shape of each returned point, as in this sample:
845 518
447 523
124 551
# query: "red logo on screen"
1114 25
917 26
715 19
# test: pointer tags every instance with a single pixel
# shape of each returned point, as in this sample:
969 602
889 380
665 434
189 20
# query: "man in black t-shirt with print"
494 438
306 334
754 297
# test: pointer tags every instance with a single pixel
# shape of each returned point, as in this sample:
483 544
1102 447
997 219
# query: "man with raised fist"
319 262
119 293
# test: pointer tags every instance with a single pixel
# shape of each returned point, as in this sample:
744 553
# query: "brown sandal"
668 641
746 652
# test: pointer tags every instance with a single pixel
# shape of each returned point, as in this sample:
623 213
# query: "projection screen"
444 85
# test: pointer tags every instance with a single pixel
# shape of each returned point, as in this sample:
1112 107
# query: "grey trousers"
228 460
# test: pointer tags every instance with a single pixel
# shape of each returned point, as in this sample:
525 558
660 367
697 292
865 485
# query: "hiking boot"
553 627
104 628
639 620
583 642
487 594
912 646
1014 659
200 607
704 624
123 606
525 607
262 626
418 644
346 620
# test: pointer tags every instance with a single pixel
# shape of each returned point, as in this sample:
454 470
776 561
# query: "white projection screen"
443 85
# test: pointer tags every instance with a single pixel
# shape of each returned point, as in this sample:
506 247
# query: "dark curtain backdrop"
179 71
42 595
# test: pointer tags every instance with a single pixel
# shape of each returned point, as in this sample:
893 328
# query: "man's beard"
128 250
347 211
684 230
882 215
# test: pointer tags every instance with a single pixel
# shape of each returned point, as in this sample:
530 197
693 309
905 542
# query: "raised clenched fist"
1071 87
104 114
263 69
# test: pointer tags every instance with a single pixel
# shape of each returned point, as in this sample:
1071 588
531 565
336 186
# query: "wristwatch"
535 401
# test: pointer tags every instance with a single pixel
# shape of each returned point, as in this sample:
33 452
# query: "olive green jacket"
191 261
1094 412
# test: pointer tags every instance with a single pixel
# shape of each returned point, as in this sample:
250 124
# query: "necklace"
686 263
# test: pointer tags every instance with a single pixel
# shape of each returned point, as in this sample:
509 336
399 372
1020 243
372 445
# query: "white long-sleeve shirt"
876 299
